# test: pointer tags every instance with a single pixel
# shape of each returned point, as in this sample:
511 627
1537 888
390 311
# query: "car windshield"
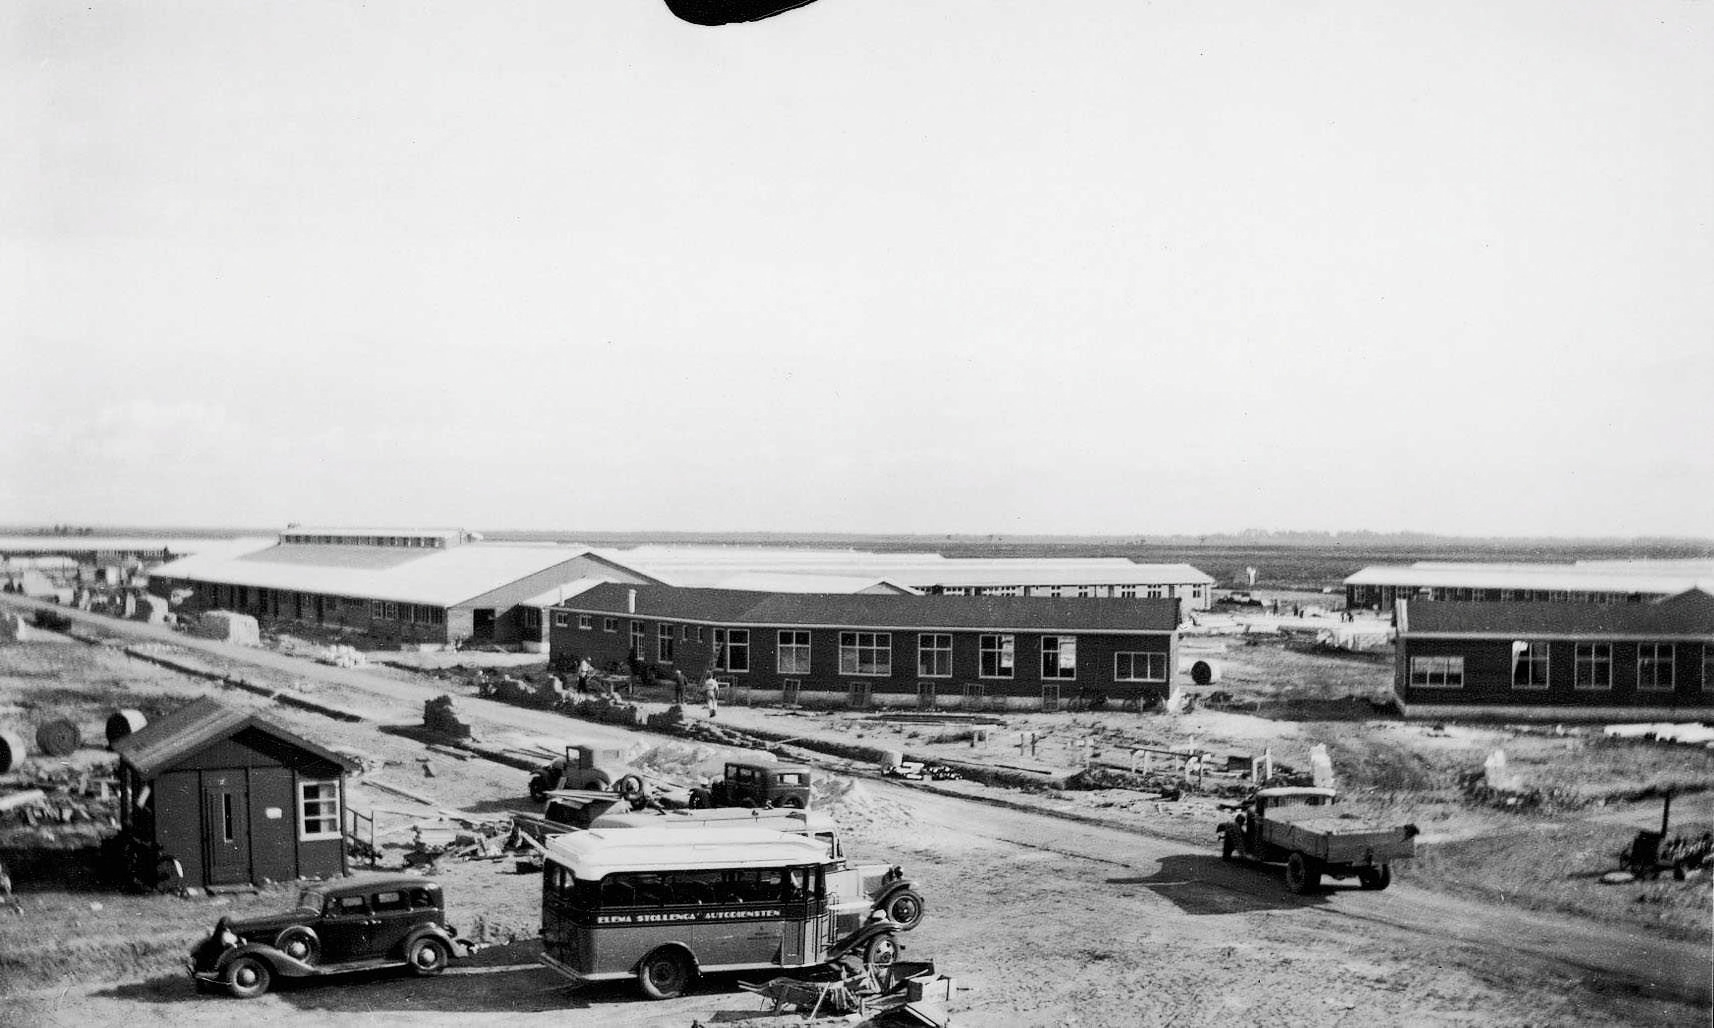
311 899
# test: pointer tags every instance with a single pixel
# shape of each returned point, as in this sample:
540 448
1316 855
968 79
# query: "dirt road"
1042 920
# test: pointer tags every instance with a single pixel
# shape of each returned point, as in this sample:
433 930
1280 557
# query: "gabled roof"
163 742
879 610
1689 613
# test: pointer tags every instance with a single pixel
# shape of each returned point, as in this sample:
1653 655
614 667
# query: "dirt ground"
1124 917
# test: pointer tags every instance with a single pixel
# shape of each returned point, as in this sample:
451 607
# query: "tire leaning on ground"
905 909
1302 875
1376 878
428 956
664 974
248 977
299 943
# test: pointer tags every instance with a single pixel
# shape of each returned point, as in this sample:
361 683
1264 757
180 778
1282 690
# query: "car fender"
280 964
861 937
897 886
438 931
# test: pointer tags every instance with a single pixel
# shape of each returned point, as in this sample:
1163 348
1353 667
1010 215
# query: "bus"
663 906
882 887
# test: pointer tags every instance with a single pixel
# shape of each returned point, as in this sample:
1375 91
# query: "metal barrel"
123 723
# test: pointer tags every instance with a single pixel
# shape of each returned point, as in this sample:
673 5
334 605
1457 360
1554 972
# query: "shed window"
1529 665
1437 672
934 655
792 655
1593 666
1655 666
994 654
318 810
865 653
1139 666
1059 656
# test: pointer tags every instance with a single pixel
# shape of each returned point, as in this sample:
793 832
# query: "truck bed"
1338 840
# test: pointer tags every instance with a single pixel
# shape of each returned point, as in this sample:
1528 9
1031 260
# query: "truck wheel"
1228 847
905 909
629 785
1376 878
1302 875
699 799
538 789
248 977
664 973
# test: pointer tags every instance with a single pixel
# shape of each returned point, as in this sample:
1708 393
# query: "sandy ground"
1040 920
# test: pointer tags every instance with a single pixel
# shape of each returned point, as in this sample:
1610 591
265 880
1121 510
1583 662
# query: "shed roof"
163 742
441 577
1690 613
880 610
705 566
1619 577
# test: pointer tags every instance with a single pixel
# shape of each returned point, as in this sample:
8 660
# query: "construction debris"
441 715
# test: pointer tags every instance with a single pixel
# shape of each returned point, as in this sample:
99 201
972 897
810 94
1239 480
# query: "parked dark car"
364 922
756 785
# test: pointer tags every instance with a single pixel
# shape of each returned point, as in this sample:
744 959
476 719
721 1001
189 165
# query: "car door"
392 917
344 928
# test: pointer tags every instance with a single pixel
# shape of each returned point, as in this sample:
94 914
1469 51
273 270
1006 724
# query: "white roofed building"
1605 581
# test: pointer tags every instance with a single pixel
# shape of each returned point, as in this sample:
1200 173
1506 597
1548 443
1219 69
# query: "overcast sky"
872 265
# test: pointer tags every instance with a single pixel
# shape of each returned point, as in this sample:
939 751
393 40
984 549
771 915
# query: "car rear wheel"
794 802
1376 878
699 800
299 943
881 950
1302 875
664 974
248 977
905 909
428 956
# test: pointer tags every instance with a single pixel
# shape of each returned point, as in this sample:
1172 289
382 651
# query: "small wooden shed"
224 796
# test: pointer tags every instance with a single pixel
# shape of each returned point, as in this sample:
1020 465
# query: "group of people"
681 685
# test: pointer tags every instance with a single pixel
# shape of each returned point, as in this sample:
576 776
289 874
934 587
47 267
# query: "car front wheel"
300 944
248 977
905 909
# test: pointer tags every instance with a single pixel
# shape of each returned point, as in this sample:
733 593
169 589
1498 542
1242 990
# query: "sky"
870 266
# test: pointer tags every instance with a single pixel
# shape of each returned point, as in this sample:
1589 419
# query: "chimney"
630 601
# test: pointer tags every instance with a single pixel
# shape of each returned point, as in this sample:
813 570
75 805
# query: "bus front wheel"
664 974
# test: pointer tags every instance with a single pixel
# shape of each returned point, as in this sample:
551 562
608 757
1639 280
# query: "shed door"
226 828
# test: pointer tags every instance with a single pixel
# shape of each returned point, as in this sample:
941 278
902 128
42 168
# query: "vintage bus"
664 906
855 889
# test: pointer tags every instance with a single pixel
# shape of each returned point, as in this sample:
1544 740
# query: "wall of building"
1488 677
825 685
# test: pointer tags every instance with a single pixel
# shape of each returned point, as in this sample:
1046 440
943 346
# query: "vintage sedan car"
363 922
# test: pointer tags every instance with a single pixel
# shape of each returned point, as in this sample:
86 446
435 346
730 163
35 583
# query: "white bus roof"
596 853
718 818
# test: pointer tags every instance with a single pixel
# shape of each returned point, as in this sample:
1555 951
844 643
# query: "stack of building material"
227 626
58 737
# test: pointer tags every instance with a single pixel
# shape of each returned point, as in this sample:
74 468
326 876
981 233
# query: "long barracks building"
1567 661
866 650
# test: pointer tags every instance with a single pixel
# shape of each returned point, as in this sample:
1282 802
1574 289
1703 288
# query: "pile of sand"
854 807
690 761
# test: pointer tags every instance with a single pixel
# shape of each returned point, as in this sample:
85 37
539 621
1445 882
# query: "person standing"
711 692
679 684
584 670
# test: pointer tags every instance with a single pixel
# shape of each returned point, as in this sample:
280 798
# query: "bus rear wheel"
664 974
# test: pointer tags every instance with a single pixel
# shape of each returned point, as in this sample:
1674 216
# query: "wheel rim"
883 951
245 976
428 956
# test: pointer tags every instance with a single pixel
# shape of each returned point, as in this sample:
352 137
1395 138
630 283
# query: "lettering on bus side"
681 916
